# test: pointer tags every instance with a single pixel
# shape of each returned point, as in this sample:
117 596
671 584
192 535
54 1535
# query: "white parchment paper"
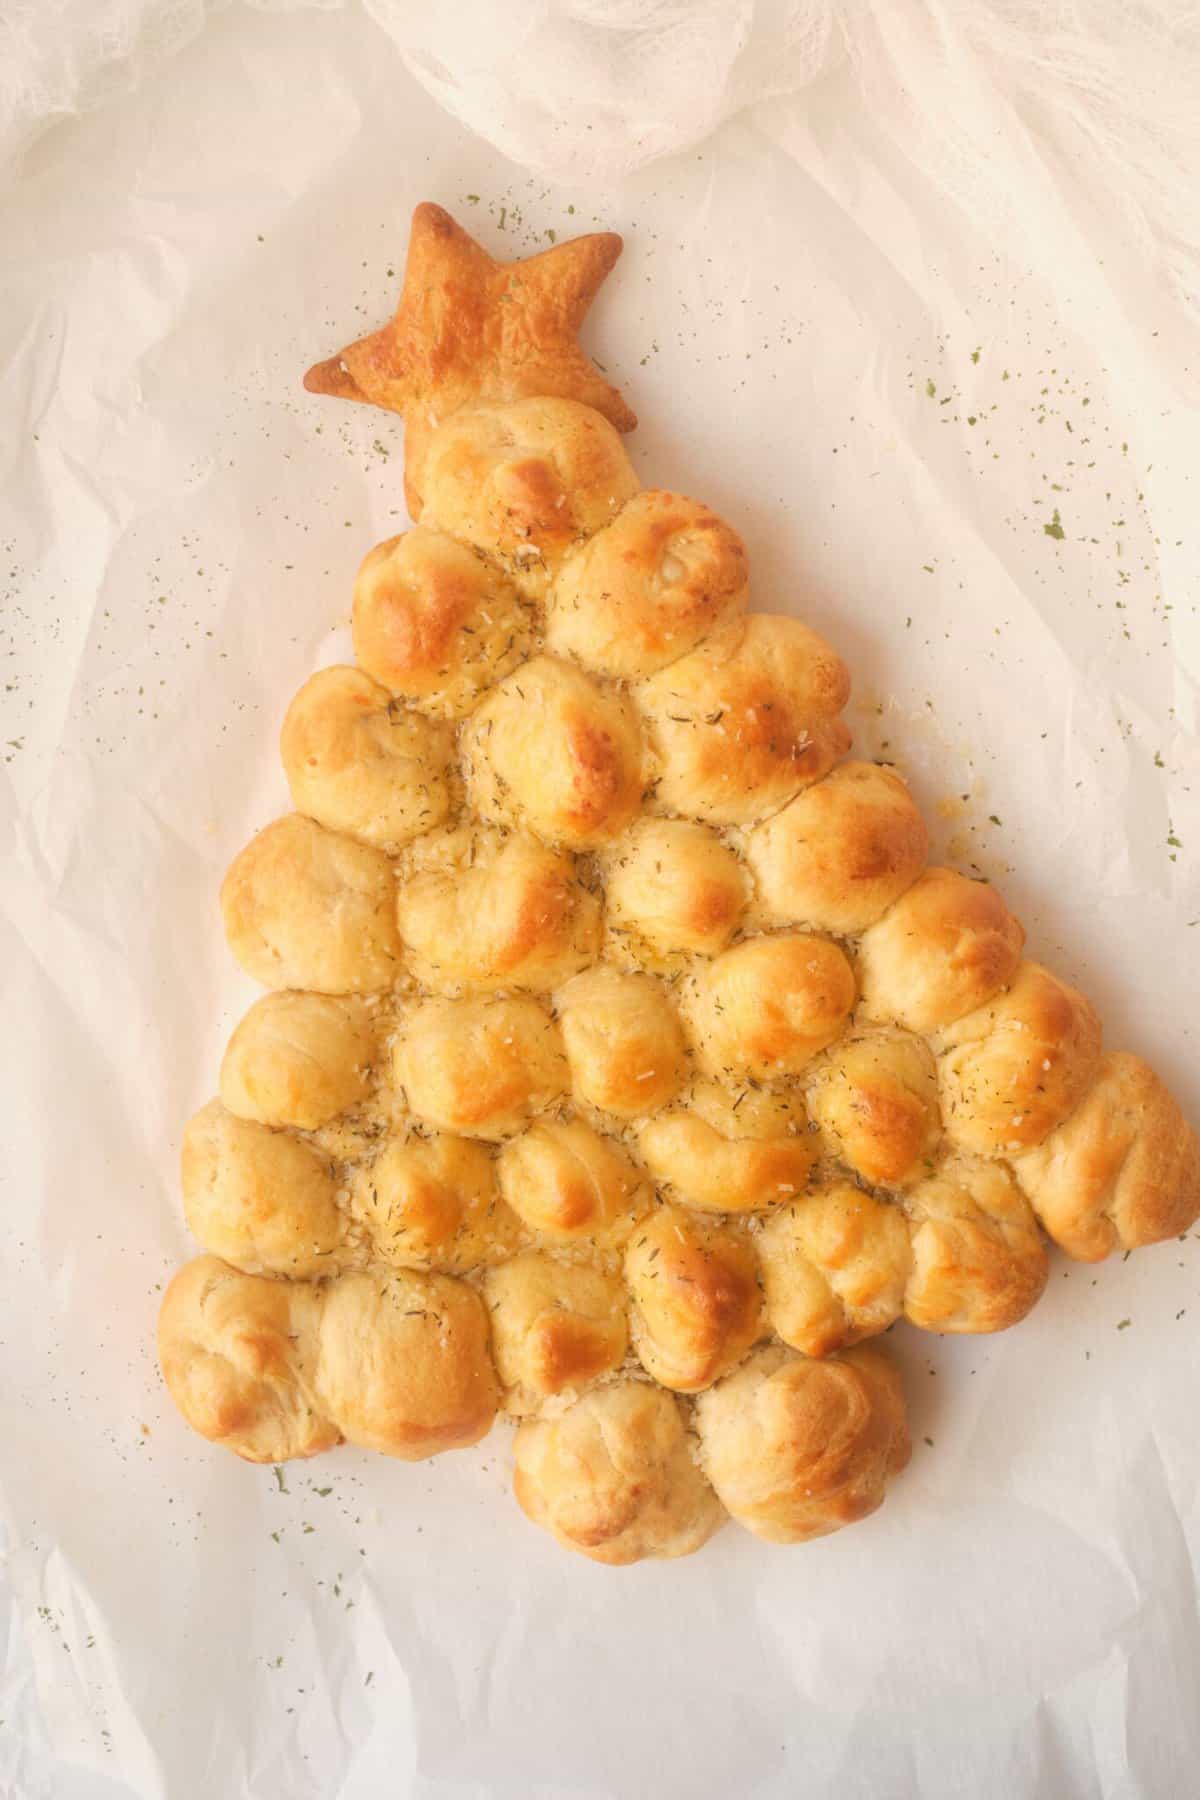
971 462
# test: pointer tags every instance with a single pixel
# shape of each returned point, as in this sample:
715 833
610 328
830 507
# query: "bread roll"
556 1327
403 1364
614 1476
840 853
648 587
1121 1171
624 1041
568 1184
730 1150
299 1059
308 908
765 1008
479 1067
834 1266
436 623
978 1260
238 1353
493 912
742 723
946 947
433 1203
260 1199
359 762
1014 1069
673 890
696 1302
551 751
526 481
874 1094
796 1449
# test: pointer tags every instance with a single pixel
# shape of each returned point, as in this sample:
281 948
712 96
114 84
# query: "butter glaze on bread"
1121 1171
310 908
557 1327
648 588
795 1448
435 623
551 750
741 724
615 1477
483 911
238 1354
838 855
359 762
300 1059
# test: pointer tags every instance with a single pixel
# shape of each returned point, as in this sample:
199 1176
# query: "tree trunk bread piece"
624 1067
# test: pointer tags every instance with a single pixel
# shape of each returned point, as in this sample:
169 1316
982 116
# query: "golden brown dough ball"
767 1006
697 1307
308 908
796 1449
480 1067
875 1096
1014 1069
834 1266
403 1364
614 1476
1122 1171
436 623
525 482
359 762
485 911
567 1182
731 1150
742 723
624 1041
432 1203
550 750
648 587
841 852
261 1199
557 1327
238 1353
674 890
947 946
978 1260
299 1059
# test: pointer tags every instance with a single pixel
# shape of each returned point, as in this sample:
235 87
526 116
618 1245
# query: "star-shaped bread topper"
470 329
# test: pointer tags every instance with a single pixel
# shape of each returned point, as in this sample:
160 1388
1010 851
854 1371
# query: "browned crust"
414 639
468 328
569 1350
797 1448
895 1122
959 932
1122 1171
697 1303
979 1262
1013 1070
605 787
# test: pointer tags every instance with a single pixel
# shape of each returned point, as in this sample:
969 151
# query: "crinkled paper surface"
969 457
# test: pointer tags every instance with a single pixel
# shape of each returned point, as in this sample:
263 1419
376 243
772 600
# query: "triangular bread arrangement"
624 1069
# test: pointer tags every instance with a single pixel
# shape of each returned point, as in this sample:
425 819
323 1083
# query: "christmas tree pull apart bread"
624 1067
